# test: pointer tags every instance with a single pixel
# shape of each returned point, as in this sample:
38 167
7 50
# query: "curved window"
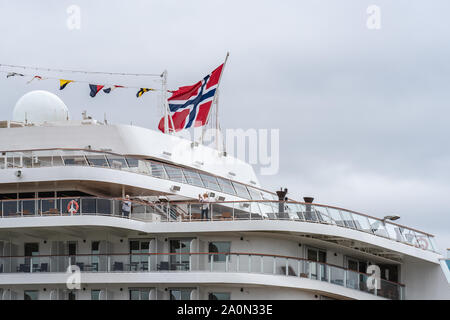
97 161
193 178
174 173
210 182
226 186
116 162
241 190
158 170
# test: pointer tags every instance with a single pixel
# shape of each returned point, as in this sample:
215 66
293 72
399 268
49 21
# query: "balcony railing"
219 211
204 262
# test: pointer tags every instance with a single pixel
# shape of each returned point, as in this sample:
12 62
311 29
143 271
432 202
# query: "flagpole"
165 103
215 102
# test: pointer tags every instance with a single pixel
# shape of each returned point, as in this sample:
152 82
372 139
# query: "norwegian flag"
190 105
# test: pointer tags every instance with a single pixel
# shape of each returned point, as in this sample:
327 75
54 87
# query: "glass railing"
218 211
204 262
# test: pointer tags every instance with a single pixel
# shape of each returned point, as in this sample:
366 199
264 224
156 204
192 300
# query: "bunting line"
94 88
82 71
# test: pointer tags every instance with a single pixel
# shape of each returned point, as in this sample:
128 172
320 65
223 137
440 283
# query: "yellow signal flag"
142 91
63 83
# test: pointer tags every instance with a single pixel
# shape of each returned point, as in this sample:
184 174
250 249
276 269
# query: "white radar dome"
40 106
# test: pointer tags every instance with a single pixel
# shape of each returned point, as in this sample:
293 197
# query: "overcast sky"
363 114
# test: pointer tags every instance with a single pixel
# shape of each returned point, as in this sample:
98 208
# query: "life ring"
73 207
422 243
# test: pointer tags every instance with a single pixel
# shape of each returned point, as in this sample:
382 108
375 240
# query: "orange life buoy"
73 207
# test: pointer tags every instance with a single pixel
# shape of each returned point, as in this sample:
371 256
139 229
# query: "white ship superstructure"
63 184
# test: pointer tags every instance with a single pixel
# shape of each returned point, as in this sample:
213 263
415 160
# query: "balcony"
184 212
203 262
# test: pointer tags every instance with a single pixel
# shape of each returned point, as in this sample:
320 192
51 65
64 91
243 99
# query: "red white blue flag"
190 105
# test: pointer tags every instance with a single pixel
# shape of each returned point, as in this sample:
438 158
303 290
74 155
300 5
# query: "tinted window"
241 190
210 182
226 186
193 178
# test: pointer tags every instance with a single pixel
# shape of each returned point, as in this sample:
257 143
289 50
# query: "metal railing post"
190 261
319 272
329 274
233 210
309 273
274 265
227 260
211 262
345 278
287 266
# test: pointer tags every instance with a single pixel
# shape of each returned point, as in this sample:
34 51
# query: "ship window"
180 294
71 295
174 173
241 190
95 294
157 170
220 247
26 195
140 294
8 196
193 178
30 295
116 161
255 194
219 296
132 162
139 257
226 186
97 161
210 182
179 258
50 194
74 161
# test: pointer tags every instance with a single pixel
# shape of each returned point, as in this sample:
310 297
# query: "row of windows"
156 169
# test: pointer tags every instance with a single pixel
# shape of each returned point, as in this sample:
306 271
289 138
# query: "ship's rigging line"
45 77
82 71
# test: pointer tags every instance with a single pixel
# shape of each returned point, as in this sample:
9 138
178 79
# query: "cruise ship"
99 211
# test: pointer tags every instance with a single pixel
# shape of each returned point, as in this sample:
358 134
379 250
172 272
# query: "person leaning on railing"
126 206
